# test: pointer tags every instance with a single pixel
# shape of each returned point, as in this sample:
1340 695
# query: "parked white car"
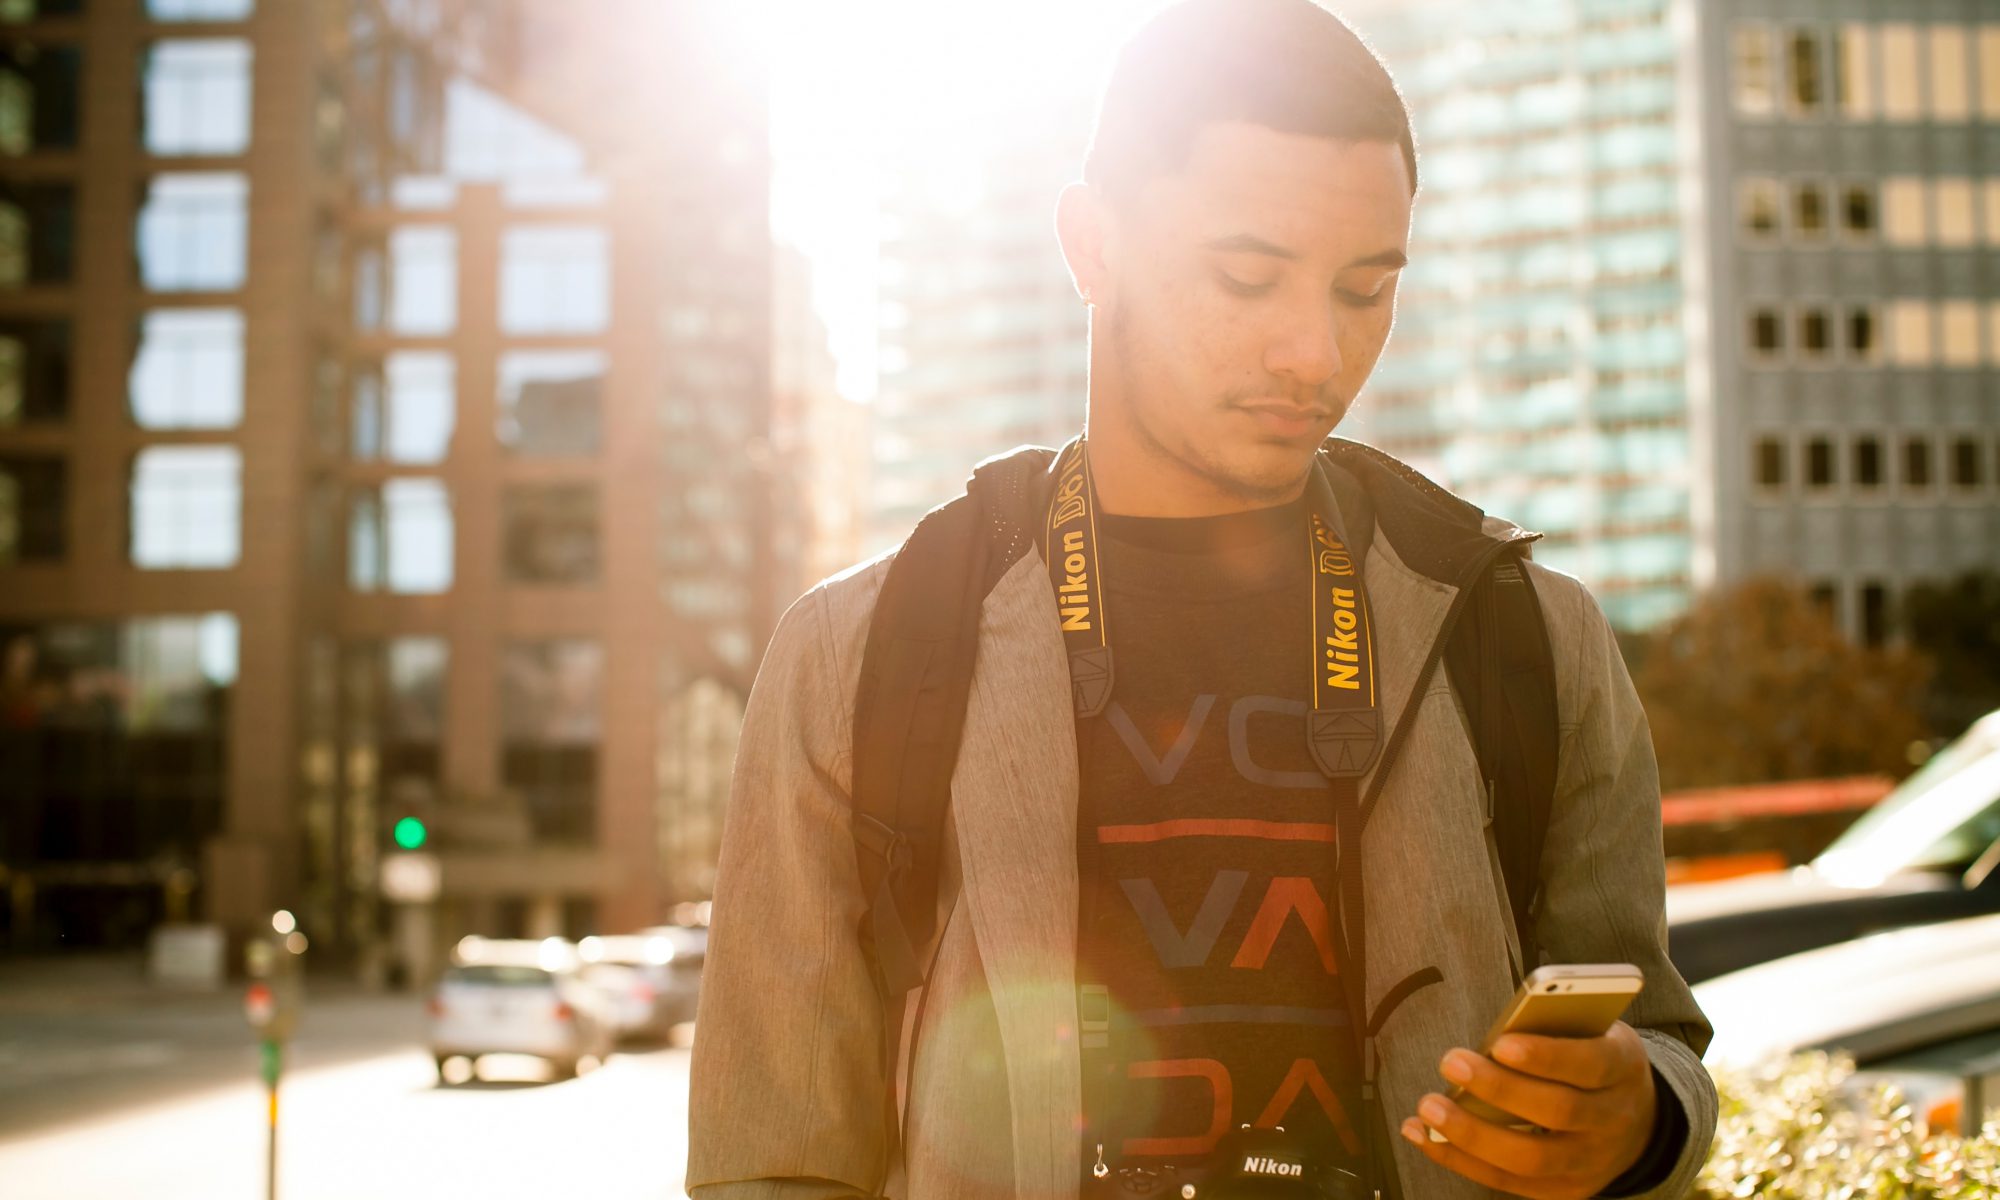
1919 1007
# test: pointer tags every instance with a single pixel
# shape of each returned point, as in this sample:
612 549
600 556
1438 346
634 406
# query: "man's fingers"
1527 1155
1588 1063
1543 1102
1450 1157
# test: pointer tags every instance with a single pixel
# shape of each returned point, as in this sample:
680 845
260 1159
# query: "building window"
197 96
554 279
1815 334
37 233
1905 211
551 533
370 287
422 398
1760 208
423 273
1993 334
399 538
188 373
199 10
186 507
551 402
1989 72
1966 463
34 371
1955 221
192 230
21 12
1808 90
1862 344
1867 462
1874 614
1819 463
1826 598
1917 463
1910 341
1767 333
551 695
1902 79
1753 70
1808 210
1857 209
1770 463
1854 72
33 508
1951 89
1958 321
38 97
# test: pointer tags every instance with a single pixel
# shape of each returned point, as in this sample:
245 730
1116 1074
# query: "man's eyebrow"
1245 243
1383 258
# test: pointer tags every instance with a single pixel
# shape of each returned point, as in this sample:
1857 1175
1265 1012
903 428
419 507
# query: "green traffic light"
410 833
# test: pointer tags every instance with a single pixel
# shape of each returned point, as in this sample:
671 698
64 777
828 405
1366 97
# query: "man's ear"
1087 229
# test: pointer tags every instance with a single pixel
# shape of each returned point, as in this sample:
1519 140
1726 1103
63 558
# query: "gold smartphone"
1579 1001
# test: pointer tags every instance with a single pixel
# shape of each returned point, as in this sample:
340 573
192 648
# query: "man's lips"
1286 420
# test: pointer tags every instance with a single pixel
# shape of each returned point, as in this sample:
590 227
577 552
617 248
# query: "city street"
119 1092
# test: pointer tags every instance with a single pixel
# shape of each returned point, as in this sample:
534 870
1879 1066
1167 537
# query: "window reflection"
192 230
399 538
551 693
1902 86
37 233
551 533
34 371
1751 70
422 406
188 373
116 736
14 12
1807 90
1854 71
423 299
551 402
197 96
38 97
554 279
33 508
1950 86
199 10
186 507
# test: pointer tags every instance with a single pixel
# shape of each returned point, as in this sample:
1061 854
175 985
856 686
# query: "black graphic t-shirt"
1205 841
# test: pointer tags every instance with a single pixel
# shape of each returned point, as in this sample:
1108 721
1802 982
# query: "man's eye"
1241 288
1364 299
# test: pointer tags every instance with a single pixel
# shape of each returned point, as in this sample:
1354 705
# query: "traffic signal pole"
274 1055
272 1003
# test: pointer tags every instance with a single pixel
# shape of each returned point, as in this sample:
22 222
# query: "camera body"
1255 1164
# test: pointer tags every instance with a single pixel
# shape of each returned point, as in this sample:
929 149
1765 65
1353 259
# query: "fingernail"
1508 1052
1456 1068
1414 1132
1432 1109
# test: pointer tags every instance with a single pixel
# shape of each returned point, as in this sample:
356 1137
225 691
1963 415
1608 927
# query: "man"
1155 860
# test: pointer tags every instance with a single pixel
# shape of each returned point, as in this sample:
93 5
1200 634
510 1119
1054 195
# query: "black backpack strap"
909 713
1503 668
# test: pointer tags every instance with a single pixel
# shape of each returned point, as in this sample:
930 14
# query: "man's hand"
1594 1096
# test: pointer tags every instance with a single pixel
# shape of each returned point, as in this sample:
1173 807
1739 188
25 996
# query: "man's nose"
1307 350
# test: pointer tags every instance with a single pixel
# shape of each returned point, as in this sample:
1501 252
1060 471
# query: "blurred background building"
384 433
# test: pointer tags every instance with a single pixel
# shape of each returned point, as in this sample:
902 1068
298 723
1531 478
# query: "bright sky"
851 80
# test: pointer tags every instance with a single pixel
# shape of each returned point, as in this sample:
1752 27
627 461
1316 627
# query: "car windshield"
497 975
1941 818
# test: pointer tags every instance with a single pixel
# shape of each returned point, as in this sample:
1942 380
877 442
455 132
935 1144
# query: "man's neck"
1134 478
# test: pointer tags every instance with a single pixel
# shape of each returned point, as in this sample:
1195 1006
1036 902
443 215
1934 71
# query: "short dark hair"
1288 65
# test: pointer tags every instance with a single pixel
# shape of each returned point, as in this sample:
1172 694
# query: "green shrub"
1789 1131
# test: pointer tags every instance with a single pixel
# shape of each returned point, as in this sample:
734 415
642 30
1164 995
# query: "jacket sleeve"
1603 872
786 1096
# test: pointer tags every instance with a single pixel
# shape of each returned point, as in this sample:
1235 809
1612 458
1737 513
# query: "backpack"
916 678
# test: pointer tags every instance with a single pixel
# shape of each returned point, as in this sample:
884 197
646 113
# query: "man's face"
1251 293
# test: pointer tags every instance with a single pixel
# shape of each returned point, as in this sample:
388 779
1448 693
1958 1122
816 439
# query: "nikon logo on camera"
1271 1166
